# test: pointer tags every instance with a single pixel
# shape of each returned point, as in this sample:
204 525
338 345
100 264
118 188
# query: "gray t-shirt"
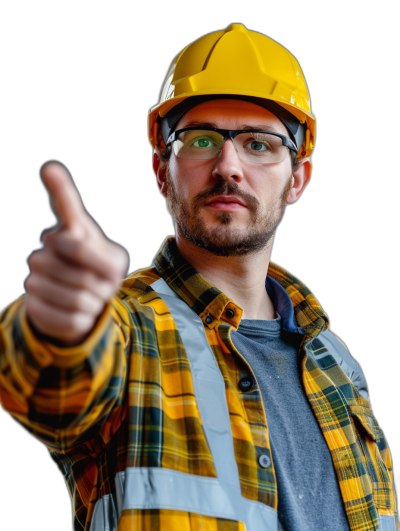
308 492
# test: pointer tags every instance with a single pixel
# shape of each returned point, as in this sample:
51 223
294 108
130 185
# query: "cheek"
187 180
264 183
199 170
271 190
178 189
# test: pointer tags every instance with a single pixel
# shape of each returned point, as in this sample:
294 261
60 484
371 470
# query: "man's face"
228 229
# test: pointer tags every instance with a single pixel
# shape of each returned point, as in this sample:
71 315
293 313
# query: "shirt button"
264 461
246 383
230 313
209 319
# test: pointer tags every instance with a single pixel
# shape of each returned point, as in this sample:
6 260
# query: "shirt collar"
298 307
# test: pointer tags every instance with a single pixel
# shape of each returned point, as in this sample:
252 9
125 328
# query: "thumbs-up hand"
77 271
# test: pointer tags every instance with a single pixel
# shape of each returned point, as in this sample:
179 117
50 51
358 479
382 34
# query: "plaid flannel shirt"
124 398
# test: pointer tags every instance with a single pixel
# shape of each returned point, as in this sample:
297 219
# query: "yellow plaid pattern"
124 398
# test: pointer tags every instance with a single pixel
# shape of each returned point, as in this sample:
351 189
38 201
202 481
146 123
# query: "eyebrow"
262 127
200 124
244 127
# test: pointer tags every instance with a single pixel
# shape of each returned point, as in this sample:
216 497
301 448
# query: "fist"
77 271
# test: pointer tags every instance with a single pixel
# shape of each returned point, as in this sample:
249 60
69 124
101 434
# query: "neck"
241 278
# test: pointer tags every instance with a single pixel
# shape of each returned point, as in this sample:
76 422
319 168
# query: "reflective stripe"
208 383
104 515
386 523
209 389
346 361
162 488
155 488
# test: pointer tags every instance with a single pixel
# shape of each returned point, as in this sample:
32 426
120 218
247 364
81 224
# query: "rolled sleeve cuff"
46 352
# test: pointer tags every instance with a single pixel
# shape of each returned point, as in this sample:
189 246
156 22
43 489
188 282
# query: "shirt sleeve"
64 396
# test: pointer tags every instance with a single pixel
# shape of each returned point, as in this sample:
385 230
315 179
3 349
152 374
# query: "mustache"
225 188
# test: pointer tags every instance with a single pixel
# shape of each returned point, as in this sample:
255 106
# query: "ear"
159 168
300 179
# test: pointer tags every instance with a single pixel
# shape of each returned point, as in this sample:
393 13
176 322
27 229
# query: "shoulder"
345 360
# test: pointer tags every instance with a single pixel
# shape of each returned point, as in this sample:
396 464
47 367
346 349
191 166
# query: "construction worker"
205 392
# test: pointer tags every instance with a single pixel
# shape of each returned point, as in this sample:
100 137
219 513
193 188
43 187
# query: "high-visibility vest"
161 488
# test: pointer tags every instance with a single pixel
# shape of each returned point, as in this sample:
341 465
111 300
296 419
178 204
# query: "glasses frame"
232 133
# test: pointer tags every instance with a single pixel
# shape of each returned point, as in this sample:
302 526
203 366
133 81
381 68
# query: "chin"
221 219
226 218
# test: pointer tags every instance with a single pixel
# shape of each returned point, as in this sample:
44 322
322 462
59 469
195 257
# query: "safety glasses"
255 146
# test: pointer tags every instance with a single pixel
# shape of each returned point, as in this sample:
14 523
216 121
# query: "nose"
228 165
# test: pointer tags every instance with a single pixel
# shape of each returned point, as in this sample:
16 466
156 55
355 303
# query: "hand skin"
78 269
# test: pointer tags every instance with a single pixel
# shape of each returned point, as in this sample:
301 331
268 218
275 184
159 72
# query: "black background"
78 88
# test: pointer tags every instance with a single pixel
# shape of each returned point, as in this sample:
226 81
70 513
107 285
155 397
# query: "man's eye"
258 146
203 143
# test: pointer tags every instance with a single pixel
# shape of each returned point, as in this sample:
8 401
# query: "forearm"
62 395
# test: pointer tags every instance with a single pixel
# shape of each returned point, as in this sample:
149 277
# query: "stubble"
225 240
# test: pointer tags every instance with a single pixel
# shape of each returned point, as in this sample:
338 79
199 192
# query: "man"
209 392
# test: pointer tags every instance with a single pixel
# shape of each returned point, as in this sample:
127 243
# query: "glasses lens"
260 148
197 144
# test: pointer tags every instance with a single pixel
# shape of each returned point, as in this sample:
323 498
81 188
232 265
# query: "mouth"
226 202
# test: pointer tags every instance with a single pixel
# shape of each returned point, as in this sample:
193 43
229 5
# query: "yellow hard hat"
242 63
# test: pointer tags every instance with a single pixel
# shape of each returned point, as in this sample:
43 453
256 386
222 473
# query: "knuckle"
41 262
26 280
79 301
96 304
88 279
78 245
45 234
99 305
29 283
37 311
112 287
104 290
70 323
32 311
86 302
79 323
115 272
30 304
34 258
49 236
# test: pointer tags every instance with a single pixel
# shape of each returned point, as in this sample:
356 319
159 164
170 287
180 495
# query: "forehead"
232 114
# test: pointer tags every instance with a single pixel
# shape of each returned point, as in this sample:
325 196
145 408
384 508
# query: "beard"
225 240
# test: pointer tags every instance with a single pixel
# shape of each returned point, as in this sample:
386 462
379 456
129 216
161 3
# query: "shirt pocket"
376 455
